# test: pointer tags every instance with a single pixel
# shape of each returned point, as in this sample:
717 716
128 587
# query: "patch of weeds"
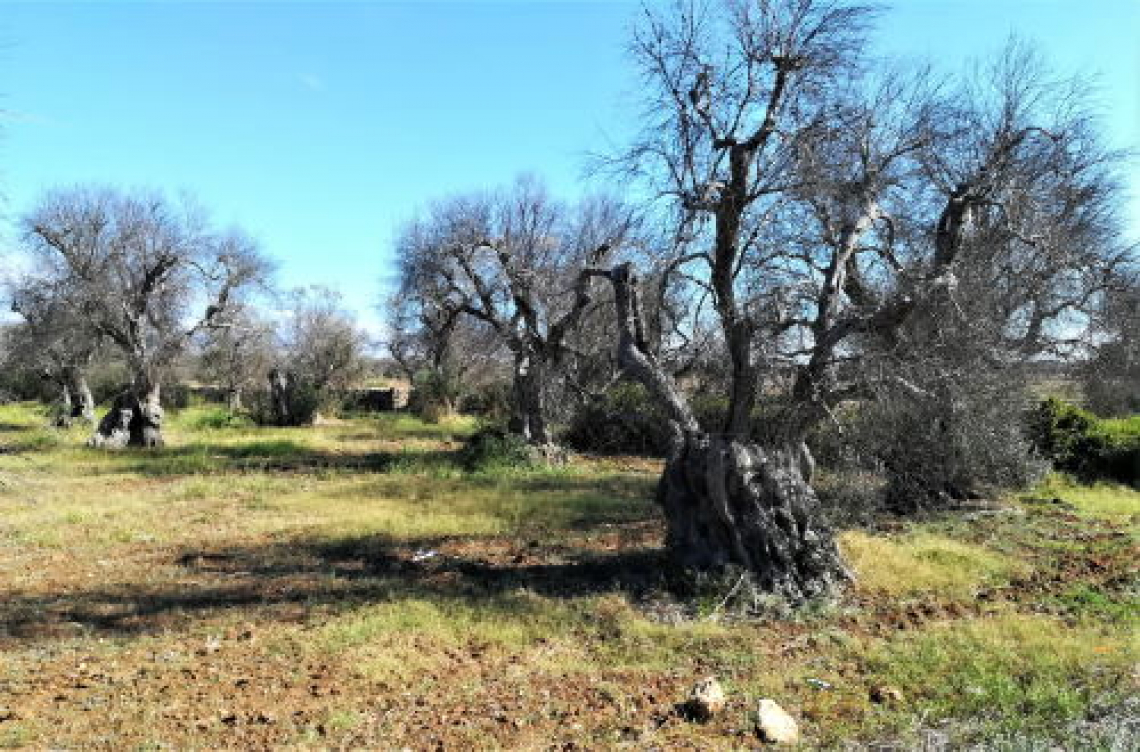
495 449
214 419
404 425
342 720
1109 501
15 735
40 440
1010 673
1083 600
921 561
433 464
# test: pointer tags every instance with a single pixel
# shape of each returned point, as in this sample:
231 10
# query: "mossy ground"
349 585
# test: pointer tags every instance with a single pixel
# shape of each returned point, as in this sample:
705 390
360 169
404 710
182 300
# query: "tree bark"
281 387
66 406
727 502
732 503
82 403
134 420
529 419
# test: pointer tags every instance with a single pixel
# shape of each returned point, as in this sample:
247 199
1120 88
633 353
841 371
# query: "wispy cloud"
16 116
312 81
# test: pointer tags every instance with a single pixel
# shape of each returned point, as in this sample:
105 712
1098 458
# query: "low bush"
937 451
625 421
304 404
494 448
216 418
1091 448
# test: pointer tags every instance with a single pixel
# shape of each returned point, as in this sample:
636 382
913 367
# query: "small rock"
212 644
774 725
706 699
884 695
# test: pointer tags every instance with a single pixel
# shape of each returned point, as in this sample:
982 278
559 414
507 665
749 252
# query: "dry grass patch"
921 562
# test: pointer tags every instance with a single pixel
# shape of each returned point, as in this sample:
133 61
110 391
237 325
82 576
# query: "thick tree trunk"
529 419
732 503
82 403
728 502
135 420
66 406
281 387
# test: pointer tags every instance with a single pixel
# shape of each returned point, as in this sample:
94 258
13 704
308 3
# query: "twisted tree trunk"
732 503
82 404
529 418
282 385
728 502
134 420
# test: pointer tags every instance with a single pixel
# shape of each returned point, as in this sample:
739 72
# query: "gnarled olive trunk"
135 419
82 404
728 502
732 503
529 401
282 385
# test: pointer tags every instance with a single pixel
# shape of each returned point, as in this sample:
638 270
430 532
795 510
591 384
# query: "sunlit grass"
310 518
1012 672
924 562
1105 500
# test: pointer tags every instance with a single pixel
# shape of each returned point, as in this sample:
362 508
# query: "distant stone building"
380 399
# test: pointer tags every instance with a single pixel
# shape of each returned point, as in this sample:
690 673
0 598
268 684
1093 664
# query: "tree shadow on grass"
296 580
275 455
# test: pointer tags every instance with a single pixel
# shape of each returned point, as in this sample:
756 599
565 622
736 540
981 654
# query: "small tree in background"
512 261
55 342
322 352
147 275
238 356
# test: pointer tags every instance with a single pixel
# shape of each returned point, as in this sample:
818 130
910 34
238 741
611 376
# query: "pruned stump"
731 504
129 422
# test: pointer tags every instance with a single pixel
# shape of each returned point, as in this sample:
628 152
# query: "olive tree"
511 260
146 274
237 356
53 340
324 346
840 220
442 352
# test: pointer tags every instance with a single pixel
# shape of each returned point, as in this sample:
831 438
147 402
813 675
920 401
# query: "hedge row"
1089 447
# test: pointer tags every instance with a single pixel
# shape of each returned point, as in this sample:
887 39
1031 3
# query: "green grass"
1105 500
1011 674
925 562
540 588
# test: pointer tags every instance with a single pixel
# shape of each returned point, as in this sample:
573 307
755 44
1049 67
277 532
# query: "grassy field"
349 585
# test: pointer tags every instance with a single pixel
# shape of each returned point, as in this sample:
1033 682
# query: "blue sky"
320 127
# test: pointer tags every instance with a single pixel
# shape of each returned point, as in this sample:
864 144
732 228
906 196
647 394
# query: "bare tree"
325 348
730 97
54 341
838 221
1111 374
238 356
147 275
511 261
442 352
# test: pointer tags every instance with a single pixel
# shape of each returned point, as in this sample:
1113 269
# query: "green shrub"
1091 448
305 402
490 401
493 448
958 443
625 421
215 418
